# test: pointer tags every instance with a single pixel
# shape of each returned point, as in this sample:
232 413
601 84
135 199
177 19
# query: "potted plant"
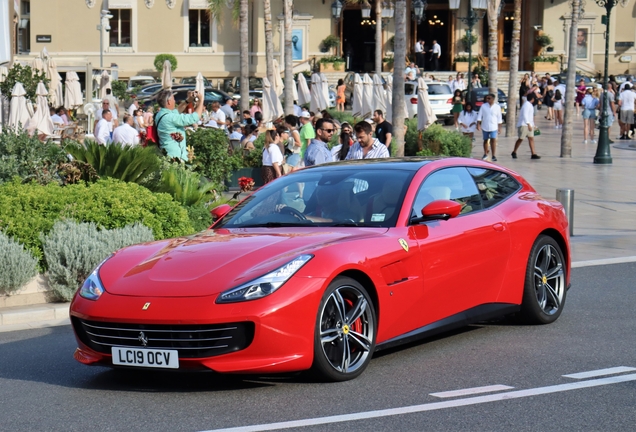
545 64
328 43
468 42
544 41
332 64
387 63
461 63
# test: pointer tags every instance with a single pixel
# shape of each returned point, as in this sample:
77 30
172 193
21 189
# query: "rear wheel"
345 331
544 290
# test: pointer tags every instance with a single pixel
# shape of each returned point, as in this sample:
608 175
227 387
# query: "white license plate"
436 102
144 357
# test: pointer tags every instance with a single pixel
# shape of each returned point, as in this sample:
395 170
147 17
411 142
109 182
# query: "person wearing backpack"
170 122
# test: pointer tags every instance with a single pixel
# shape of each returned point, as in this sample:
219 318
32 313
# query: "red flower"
246 183
177 136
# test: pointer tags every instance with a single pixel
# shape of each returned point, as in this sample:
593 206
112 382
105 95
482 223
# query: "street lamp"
105 16
603 155
388 12
336 9
366 9
476 11
418 10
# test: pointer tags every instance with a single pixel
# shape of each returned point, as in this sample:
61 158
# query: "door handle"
499 227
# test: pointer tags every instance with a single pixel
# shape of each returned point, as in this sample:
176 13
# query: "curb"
28 317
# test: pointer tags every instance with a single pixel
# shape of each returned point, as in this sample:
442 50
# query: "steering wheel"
292 211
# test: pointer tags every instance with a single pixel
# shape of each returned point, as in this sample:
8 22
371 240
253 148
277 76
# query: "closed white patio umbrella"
304 95
367 96
272 108
324 82
104 83
378 102
18 113
73 94
41 122
56 94
388 99
37 64
317 102
358 95
278 85
425 114
199 86
166 75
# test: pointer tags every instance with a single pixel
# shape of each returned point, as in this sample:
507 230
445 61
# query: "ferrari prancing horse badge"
404 244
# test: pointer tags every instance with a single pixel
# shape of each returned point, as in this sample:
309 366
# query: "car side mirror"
439 210
220 211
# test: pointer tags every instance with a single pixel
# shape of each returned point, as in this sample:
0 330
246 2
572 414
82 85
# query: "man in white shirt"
102 130
366 147
114 122
489 121
218 115
525 127
436 52
133 106
112 99
622 86
126 134
228 109
627 102
56 118
419 53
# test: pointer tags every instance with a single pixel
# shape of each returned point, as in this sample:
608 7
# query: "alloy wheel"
549 279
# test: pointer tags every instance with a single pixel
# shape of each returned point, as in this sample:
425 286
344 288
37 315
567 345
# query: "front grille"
191 341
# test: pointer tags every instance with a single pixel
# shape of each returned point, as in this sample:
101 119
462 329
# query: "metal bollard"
566 198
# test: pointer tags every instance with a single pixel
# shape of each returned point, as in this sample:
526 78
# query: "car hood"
214 260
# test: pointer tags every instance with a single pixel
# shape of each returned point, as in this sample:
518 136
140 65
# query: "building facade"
141 29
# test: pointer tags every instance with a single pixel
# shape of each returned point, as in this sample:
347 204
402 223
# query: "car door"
463 258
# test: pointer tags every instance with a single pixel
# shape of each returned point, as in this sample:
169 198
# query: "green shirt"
306 133
171 121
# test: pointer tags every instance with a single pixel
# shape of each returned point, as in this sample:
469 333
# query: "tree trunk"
513 94
570 85
493 45
245 54
378 36
289 64
399 49
269 44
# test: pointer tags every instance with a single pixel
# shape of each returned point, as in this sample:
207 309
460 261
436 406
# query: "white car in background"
439 94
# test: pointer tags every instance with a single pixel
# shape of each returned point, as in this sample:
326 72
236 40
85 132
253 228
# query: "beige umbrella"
358 95
37 64
57 93
425 114
200 85
272 108
44 55
73 94
278 84
3 73
41 120
317 102
367 95
104 83
166 75
55 82
378 102
388 99
18 113
324 82
304 95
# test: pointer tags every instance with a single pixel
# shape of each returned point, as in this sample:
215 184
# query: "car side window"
494 186
453 184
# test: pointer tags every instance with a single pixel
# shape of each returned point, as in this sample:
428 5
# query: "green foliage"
332 59
544 40
482 70
443 142
72 250
410 138
127 163
161 58
119 89
329 42
200 216
468 42
186 187
461 58
254 159
545 59
26 76
26 210
342 116
17 266
28 158
212 152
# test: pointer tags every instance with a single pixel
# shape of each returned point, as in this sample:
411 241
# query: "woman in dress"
589 104
139 123
148 116
272 157
468 120
340 98
548 94
557 101
294 145
580 94
256 108
458 106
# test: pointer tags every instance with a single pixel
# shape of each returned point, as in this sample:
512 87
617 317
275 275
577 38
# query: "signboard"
625 59
43 38
623 44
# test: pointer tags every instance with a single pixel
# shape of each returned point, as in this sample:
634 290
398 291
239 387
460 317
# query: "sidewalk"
604 203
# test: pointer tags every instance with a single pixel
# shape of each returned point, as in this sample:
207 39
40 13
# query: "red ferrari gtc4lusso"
323 267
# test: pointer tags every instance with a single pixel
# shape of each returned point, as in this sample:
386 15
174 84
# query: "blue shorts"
589 114
489 135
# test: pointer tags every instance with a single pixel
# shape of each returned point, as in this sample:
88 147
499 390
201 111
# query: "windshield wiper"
274 225
345 224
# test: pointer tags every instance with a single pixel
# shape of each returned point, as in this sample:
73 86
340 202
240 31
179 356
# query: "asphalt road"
43 388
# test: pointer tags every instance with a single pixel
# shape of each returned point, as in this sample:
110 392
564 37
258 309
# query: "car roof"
413 163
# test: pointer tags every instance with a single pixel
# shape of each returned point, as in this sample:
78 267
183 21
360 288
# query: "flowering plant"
142 138
176 136
246 184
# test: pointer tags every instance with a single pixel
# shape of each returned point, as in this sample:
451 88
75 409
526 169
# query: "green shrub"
26 210
200 216
212 154
254 159
468 42
410 138
127 163
17 266
25 75
185 187
72 250
161 58
329 42
29 158
438 141
119 89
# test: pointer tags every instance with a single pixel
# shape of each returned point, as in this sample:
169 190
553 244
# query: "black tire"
545 283
344 345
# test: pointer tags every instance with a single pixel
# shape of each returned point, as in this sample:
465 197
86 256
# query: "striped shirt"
377 150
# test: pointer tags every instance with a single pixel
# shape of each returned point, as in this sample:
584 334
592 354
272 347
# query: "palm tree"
289 64
269 45
240 17
493 45
398 76
511 119
570 85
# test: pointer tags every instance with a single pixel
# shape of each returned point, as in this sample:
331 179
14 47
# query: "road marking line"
471 391
605 261
600 372
433 406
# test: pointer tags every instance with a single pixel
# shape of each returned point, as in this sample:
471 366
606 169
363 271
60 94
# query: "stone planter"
545 67
461 66
37 291
254 173
387 67
332 67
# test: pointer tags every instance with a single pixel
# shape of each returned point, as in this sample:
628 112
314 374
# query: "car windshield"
409 88
141 82
325 198
439 89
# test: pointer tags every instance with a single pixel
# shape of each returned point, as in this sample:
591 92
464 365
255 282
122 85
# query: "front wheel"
345 332
544 291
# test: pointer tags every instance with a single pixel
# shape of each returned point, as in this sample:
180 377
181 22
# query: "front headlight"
264 285
92 288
